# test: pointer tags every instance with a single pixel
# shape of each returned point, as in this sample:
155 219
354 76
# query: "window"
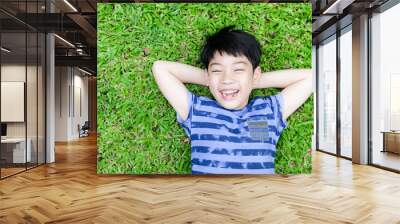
346 92
22 77
327 95
385 88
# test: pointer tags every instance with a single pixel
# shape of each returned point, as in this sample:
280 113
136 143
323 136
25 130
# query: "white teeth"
229 92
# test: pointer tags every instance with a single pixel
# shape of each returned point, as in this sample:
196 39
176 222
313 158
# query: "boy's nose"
227 79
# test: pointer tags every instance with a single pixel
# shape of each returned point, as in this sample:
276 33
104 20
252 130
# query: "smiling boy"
229 134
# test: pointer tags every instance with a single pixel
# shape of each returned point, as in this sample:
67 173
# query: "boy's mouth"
228 94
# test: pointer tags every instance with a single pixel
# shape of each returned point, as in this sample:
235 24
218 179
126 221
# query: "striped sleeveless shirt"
227 141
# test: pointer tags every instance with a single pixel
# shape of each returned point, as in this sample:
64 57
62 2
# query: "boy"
230 135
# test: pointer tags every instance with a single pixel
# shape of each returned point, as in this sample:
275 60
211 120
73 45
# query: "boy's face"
231 80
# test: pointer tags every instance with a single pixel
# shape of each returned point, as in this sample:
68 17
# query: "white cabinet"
18 152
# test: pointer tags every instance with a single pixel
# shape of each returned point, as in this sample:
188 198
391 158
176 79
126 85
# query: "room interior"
48 91
22 101
28 56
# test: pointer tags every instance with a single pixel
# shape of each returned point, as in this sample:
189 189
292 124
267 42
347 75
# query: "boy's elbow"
310 83
156 66
307 76
307 73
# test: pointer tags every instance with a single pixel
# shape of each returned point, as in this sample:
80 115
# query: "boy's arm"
170 78
297 84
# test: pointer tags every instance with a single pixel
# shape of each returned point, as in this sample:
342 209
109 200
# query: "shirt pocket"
258 128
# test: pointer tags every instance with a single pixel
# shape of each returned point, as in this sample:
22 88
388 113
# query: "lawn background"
138 129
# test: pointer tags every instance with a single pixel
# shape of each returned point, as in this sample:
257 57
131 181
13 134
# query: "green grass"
138 129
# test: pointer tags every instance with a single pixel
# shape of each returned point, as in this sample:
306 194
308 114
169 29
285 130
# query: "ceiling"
332 15
74 22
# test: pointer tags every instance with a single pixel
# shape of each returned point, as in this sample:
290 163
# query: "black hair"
233 42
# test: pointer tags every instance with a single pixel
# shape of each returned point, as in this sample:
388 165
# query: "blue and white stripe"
221 142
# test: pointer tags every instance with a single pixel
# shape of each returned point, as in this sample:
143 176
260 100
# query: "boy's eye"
216 71
239 70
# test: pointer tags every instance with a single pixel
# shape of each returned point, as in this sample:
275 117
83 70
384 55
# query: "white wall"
61 103
68 83
13 72
80 84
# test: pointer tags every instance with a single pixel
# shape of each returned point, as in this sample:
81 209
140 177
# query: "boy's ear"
256 75
207 78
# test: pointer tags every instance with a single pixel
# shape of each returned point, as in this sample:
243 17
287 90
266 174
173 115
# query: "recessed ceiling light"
70 5
337 7
5 49
84 71
64 40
